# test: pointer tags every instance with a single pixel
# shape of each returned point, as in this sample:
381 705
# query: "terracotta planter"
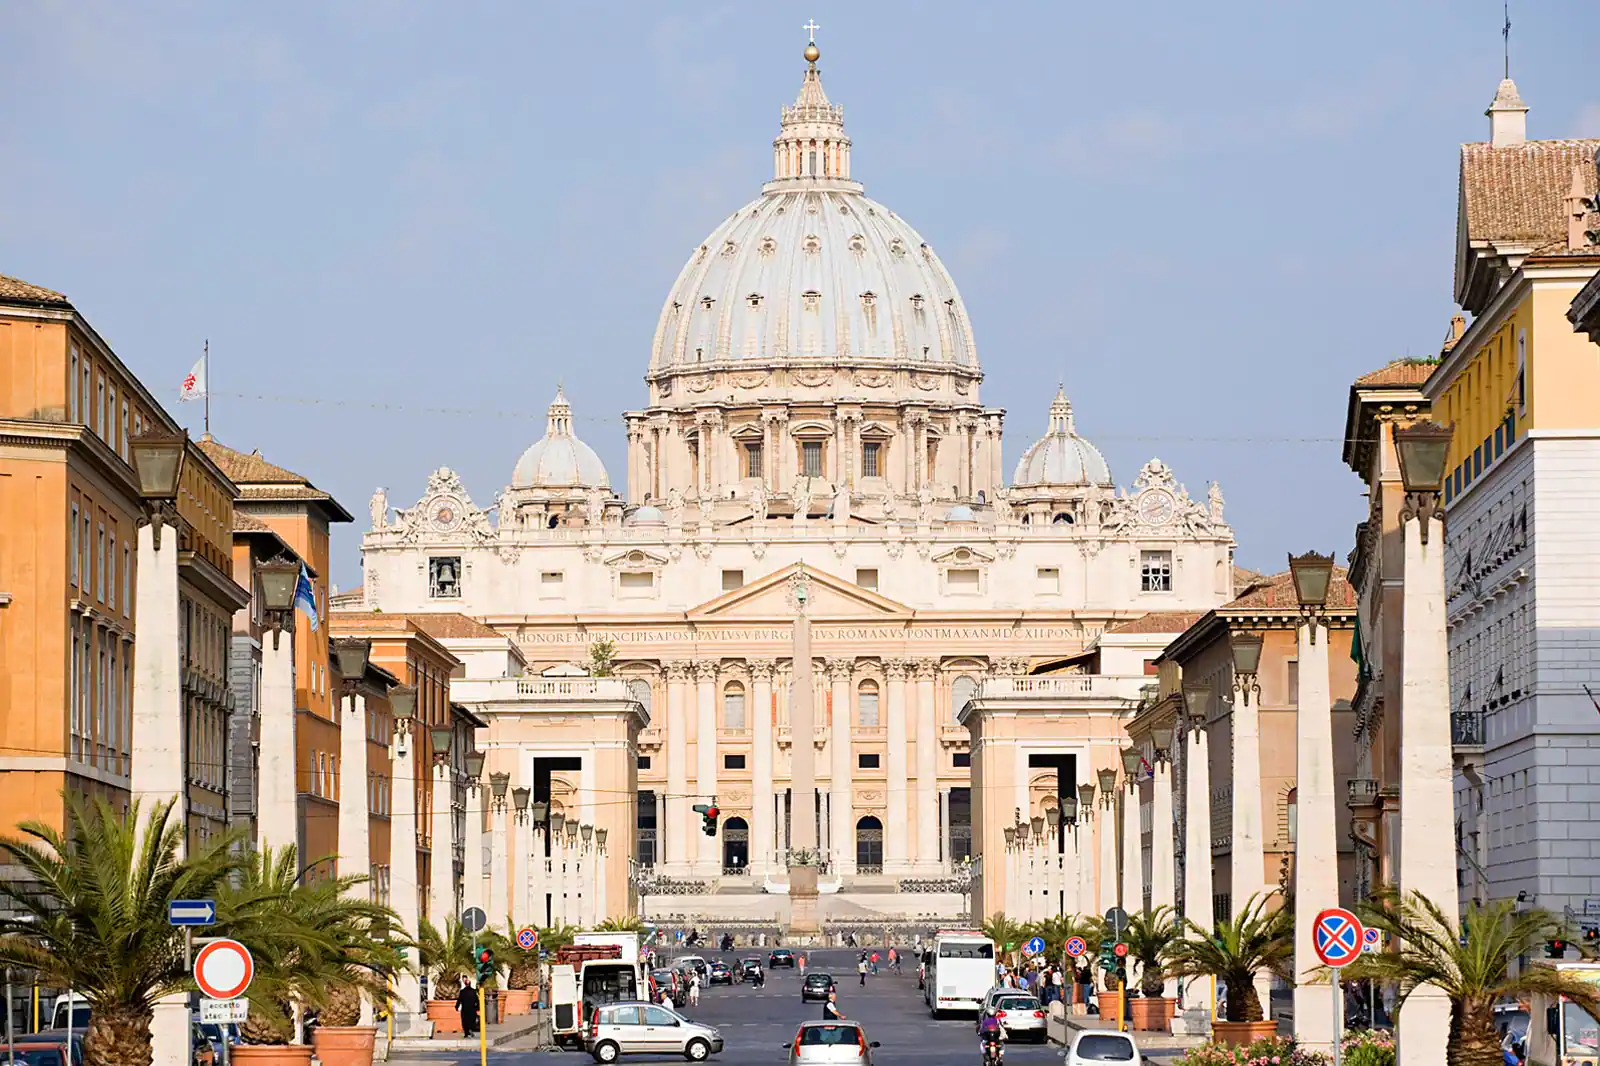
1153 1013
1110 1005
442 1013
515 1001
1242 1034
344 1045
270 1054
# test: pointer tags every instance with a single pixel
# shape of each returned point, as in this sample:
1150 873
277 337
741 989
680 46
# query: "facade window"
867 578
636 582
123 451
869 458
72 386
111 571
962 689
444 577
732 579
644 762
733 762
1291 815
812 163
961 760
1292 698
552 584
962 581
88 409
100 405
75 549
1047 580
1155 571
100 563
639 689
867 704
867 761
811 458
733 706
752 460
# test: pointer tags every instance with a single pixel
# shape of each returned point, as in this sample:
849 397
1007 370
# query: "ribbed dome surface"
560 459
1061 457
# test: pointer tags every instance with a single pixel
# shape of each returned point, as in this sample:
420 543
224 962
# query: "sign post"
1338 940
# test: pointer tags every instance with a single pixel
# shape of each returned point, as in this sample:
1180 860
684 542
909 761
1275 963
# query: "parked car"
1022 1017
720 974
780 957
691 962
673 982
1097 1047
617 1029
825 1043
817 986
49 1047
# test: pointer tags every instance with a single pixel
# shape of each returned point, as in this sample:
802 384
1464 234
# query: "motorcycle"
994 1052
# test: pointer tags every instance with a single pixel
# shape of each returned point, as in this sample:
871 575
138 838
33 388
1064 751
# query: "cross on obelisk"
803 856
811 29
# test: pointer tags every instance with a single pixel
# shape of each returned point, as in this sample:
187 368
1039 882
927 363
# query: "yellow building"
1523 392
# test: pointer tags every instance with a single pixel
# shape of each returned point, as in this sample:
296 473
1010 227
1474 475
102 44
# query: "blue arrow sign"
1033 946
192 912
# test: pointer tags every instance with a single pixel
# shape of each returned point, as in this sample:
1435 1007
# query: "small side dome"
646 515
560 459
1061 457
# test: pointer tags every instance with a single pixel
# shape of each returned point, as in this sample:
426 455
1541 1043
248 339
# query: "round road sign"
1076 946
1370 939
1336 936
527 938
473 919
1033 947
223 969
1121 950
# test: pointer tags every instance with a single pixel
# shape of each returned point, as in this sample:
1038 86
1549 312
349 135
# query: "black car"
780 957
721 974
749 967
816 986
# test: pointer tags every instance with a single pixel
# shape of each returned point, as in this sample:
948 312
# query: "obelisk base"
803 918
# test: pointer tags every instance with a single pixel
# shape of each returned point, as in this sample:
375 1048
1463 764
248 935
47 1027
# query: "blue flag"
305 597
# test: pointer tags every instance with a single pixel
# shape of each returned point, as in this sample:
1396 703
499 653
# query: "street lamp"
1108 784
475 761
572 831
350 656
1161 740
1011 835
600 838
1130 762
279 578
539 811
498 783
1312 574
1246 649
1424 449
588 833
519 799
1196 698
557 819
158 465
1086 799
441 736
1068 814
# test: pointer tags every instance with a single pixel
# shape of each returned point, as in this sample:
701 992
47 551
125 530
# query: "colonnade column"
1248 858
1083 852
761 789
1107 817
1132 850
276 786
442 889
1197 905
841 789
896 829
499 872
1316 854
675 818
705 675
472 893
527 898
927 765
1163 862
355 843
403 860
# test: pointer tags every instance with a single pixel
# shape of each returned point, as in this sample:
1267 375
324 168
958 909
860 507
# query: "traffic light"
1108 956
486 967
708 812
1591 933
1555 949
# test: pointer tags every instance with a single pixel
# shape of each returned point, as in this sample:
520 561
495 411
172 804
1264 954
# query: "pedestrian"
802 964
861 971
467 1007
666 997
830 1009
694 990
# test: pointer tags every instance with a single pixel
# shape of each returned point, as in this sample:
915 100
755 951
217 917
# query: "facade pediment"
831 597
966 555
636 559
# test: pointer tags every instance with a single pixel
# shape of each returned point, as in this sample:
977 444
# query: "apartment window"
867 704
867 578
552 583
100 563
1047 580
87 546
88 409
962 581
1293 681
867 761
732 579
811 458
72 385
961 760
100 405
637 582
74 696
733 762
962 689
111 423
1155 571
444 577
317 781
870 451
1151 669
111 568
73 537
752 460
123 451
733 706
644 762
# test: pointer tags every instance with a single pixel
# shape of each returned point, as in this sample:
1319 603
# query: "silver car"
1021 1016
830 1042
618 1029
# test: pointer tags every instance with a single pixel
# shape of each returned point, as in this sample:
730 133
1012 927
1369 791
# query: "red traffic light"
1121 950
712 812
485 955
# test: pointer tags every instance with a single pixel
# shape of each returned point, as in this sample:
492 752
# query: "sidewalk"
1060 1027
529 1032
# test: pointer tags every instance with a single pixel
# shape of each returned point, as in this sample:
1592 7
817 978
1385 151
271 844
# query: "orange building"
69 515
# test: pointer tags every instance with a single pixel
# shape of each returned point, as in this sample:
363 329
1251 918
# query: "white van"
79 1017
960 971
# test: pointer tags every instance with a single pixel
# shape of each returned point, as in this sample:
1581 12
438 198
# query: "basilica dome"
560 459
1061 457
813 269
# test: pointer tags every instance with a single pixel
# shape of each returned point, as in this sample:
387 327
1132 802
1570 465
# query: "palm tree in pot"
1255 939
448 959
1150 935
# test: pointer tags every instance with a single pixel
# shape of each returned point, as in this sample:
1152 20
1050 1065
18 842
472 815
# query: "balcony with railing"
786 737
1466 730
1063 688
1361 792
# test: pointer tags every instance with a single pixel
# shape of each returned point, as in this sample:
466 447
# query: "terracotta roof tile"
1157 622
281 492
15 290
1243 578
249 469
1399 372
454 626
245 523
1518 194
1277 593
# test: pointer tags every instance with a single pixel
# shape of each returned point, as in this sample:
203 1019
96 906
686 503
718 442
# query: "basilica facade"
813 405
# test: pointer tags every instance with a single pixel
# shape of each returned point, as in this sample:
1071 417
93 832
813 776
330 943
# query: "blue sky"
1207 219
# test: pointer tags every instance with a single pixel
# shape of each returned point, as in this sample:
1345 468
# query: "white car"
1098 1047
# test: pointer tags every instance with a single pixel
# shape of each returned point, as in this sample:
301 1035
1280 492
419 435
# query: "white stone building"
813 400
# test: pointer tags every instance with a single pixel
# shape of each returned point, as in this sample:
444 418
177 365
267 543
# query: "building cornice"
71 438
1504 303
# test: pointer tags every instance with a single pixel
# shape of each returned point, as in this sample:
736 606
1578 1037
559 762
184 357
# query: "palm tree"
1150 936
90 913
630 924
1471 964
446 959
1255 939
1006 933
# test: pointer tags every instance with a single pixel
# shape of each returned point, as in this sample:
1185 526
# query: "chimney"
1577 211
1508 117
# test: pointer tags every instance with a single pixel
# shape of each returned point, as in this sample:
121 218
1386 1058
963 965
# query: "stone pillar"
499 874
403 894
675 822
277 806
761 748
442 889
528 890
472 878
927 766
355 848
1316 855
841 787
705 675
1163 862
553 880
1106 816
1197 904
1248 859
897 829
1427 852
1132 850
1083 854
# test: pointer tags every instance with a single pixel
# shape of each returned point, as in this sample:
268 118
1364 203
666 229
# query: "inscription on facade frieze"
822 634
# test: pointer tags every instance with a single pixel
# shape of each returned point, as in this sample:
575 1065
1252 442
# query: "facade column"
927 766
1163 863
675 820
499 872
442 889
841 811
1107 817
705 675
355 847
896 830
553 879
1316 855
1132 850
1248 859
277 806
761 746
964 457
1427 855
1197 905
472 893
403 862
1083 855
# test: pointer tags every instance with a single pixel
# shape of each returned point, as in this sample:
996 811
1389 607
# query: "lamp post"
277 804
350 657
1316 855
472 875
1106 882
403 846
159 764
441 867
499 874
1247 851
1427 857
1197 902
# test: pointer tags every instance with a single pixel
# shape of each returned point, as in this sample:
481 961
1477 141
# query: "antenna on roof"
1505 33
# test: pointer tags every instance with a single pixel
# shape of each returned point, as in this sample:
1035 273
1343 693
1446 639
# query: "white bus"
960 971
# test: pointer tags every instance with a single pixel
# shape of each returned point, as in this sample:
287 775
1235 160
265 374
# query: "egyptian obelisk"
803 856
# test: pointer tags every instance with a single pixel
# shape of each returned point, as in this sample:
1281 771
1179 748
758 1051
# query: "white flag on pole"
194 383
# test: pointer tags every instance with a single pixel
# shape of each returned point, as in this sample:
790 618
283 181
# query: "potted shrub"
447 960
1149 937
522 973
1255 939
